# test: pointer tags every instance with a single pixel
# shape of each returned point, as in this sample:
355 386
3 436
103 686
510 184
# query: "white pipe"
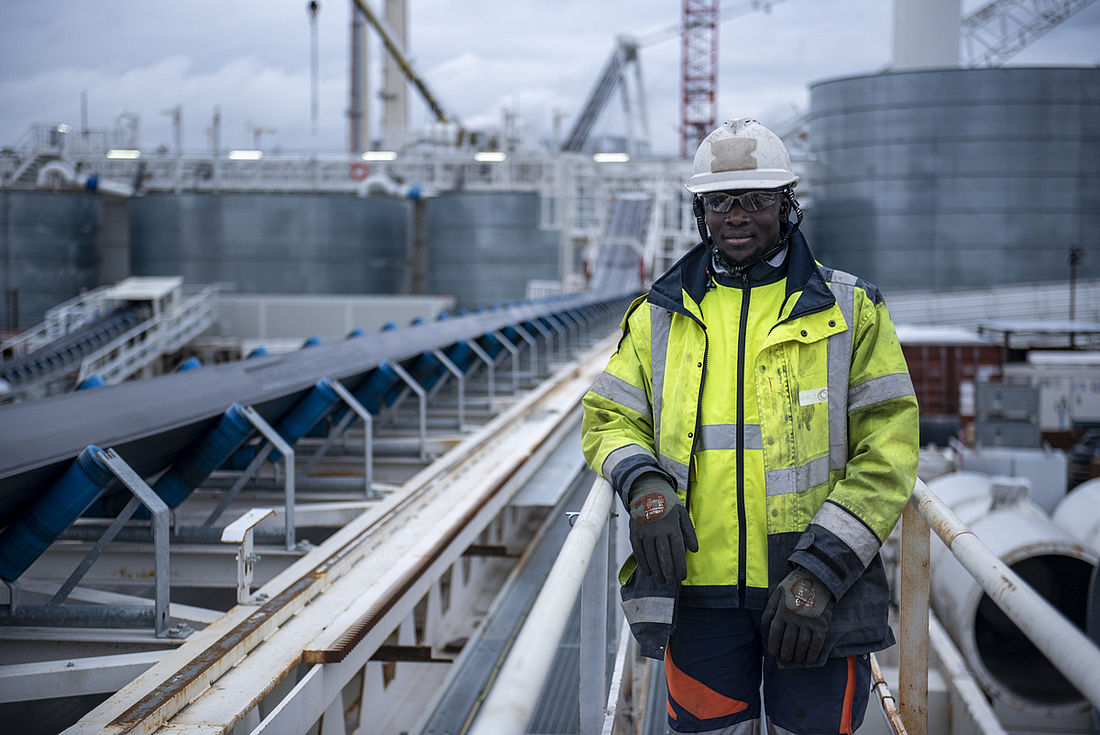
1077 513
67 174
976 706
512 701
58 169
1068 648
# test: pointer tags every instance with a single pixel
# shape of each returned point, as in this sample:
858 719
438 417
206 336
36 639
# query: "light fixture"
379 155
490 156
63 127
611 157
245 155
129 153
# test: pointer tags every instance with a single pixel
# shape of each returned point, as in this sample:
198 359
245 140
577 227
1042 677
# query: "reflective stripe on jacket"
836 427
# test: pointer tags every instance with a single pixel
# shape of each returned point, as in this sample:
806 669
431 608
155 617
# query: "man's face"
740 234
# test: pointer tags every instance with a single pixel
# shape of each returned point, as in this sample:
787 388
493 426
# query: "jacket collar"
691 275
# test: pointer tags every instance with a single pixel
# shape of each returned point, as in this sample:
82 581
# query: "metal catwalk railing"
582 568
1067 648
59 321
143 344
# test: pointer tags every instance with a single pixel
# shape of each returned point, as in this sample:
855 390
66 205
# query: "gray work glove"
798 612
660 529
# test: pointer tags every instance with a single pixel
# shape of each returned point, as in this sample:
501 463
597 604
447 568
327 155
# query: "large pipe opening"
1007 653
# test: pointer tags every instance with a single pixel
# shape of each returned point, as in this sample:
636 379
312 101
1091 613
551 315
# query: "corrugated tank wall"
48 252
483 247
273 243
957 178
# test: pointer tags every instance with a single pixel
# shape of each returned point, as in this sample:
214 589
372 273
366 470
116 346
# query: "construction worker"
758 421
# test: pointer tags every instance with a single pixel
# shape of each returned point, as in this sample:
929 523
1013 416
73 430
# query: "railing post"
513 351
422 403
158 512
593 650
486 358
913 622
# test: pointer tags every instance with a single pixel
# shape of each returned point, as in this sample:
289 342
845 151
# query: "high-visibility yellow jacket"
783 413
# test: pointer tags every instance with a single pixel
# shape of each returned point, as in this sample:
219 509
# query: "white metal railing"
1067 648
582 568
59 321
144 343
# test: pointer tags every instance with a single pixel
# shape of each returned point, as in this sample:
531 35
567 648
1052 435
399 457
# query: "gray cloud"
251 58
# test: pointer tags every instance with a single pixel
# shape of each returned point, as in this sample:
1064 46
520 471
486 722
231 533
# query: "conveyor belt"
60 355
150 422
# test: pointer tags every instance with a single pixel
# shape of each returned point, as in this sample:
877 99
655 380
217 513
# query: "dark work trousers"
714 664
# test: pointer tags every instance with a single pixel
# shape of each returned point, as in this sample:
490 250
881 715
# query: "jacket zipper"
742 533
698 418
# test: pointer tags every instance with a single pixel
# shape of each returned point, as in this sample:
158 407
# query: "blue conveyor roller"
52 512
204 457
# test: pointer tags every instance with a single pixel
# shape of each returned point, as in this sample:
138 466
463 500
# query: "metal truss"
997 31
698 73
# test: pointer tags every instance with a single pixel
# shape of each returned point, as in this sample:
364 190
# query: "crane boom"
1000 29
394 47
626 52
738 9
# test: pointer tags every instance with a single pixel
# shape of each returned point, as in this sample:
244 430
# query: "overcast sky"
251 58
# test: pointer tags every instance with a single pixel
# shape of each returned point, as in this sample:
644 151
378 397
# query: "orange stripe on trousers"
849 696
696 697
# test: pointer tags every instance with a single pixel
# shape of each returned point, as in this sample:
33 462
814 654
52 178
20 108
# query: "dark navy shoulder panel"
866 286
690 273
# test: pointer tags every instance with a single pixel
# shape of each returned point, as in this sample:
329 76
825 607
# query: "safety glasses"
752 201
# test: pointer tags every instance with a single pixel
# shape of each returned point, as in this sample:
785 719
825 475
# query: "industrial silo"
274 243
483 247
50 249
944 178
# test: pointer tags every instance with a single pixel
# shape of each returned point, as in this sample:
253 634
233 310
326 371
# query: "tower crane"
698 30
258 132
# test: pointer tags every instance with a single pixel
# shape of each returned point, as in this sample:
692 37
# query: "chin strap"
797 213
700 222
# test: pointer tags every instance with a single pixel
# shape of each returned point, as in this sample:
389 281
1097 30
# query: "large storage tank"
274 243
483 247
50 249
956 177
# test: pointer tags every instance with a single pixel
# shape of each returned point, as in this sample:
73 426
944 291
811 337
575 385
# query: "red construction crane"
698 33
698 72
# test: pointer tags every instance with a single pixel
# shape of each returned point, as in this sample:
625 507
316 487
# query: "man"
758 421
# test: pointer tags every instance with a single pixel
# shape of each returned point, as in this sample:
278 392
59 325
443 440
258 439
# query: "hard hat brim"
752 180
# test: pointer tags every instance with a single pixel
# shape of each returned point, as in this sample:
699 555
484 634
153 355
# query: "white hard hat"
741 154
